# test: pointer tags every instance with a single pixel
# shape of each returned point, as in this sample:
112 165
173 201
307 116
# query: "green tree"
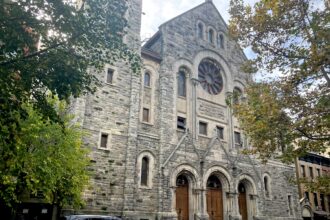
47 158
73 39
289 108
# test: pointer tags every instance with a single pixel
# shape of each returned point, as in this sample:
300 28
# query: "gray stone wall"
117 110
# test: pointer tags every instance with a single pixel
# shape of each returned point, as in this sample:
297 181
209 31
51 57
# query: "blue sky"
156 12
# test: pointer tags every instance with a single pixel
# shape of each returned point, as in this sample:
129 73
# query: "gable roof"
194 9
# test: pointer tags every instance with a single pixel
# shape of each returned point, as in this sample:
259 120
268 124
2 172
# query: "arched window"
144 171
211 36
267 185
237 95
182 82
220 41
200 30
147 79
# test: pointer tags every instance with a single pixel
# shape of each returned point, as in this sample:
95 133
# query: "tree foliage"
73 39
290 108
46 159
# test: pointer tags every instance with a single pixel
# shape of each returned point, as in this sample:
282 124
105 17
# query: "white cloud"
157 12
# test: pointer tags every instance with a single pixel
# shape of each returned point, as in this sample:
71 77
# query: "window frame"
150 172
178 126
200 30
220 41
210 35
182 81
109 69
240 138
108 143
144 176
143 115
222 136
199 128
302 170
147 83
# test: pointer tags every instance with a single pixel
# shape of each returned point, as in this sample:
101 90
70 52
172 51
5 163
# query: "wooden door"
182 199
214 204
242 203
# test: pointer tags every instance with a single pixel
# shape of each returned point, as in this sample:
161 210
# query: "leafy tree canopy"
73 39
46 159
290 108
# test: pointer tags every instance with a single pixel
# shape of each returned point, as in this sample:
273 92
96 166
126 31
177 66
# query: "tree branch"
314 138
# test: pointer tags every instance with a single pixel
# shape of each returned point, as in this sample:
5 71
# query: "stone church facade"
165 145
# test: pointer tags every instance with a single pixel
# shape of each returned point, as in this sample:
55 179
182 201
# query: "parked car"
91 217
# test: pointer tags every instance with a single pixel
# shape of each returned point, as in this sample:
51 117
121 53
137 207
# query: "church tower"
110 116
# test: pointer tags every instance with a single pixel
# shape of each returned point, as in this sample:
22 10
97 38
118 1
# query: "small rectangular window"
311 174
307 195
303 173
220 132
322 202
237 137
202 128
104 140
110 76
316 202
145 115
181 123
318 172
290 205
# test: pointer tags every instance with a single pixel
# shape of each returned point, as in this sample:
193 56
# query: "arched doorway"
182 197
242 201
214 198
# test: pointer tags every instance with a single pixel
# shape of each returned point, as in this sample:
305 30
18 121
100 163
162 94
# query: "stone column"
201 212
231 144
195 83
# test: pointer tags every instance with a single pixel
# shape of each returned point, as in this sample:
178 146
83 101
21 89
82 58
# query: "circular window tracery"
210 77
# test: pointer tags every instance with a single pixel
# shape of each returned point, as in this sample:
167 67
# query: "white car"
91 217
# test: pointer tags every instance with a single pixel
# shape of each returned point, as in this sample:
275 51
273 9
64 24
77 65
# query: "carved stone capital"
195 82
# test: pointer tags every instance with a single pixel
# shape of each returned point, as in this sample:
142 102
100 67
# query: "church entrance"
214 198
182 197
242 202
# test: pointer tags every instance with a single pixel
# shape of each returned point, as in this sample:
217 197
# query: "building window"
211 36
220 41
316 202
109 78
322 202
220 132
202 128
147 79
290 205
146 163
144 171
303 172
237 95
307 195
318 172
104 140
145 116
182 83
200 31
181 123
266 185
237 137
311 174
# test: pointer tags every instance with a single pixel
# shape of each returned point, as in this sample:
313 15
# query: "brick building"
165 145
315 205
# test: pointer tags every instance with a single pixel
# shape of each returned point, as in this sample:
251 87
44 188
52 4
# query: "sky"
157 12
